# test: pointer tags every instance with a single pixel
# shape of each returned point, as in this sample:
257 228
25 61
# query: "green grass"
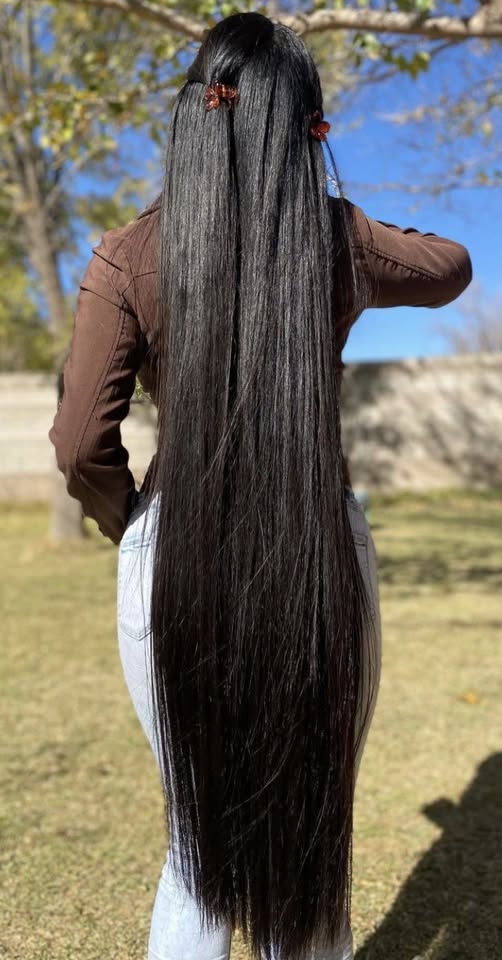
81 811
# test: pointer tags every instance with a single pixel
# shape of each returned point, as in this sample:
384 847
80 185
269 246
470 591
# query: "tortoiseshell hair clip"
215 93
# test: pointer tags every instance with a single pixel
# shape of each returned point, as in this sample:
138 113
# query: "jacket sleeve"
98 381
408 268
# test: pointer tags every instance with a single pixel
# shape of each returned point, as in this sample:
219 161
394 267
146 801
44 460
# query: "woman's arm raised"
405 267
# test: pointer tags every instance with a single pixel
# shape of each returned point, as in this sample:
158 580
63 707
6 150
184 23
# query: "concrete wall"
27 406
420 424
413 424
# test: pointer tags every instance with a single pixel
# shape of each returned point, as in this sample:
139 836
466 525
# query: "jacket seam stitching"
122 243
420 271
92 405
114 250
148 211
127 275
131 283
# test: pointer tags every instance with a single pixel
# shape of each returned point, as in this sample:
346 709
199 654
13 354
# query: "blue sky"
468 216
377 152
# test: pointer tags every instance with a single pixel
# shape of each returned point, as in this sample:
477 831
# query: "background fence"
411 424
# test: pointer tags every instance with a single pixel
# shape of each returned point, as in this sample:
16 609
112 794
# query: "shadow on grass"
415 570
436 569
450 908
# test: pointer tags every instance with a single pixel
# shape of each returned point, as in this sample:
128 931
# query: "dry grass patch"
81 815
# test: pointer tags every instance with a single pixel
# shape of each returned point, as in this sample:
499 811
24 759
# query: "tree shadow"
450 908
456 430
363 387
472 448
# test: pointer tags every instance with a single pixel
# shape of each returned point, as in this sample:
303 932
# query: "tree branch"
486 22
386 21
26 43
433 188
152 12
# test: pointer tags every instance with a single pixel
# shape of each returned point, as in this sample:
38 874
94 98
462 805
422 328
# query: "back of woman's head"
259 614
274 72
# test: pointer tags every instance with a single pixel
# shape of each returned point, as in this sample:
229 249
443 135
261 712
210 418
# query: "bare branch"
380 73
26 40
435 187
384 21
481 330
151 12
486 22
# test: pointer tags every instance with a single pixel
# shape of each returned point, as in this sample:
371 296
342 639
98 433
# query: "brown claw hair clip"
216 92
318 127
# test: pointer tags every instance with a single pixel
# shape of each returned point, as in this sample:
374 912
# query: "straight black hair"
260 622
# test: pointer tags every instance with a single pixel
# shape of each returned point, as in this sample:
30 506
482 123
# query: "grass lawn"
81 810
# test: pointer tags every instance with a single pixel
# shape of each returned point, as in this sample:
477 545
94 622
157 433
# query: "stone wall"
412 424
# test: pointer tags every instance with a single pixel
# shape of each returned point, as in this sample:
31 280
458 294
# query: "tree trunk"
45 262
25 170
66 521
66 513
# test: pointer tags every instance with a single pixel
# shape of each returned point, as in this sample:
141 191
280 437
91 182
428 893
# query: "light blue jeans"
176 932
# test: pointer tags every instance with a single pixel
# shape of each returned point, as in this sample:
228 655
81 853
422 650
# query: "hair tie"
318 127
216 92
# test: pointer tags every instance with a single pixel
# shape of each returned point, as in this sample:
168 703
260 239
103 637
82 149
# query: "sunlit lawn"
81 808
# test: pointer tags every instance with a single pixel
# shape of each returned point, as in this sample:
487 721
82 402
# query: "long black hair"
259 617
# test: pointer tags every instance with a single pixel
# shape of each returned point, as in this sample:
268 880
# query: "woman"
248 613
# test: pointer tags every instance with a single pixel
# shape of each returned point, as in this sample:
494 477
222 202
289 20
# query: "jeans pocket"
134 583
361 534
361 544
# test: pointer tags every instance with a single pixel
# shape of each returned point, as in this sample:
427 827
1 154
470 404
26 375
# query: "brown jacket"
112 341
